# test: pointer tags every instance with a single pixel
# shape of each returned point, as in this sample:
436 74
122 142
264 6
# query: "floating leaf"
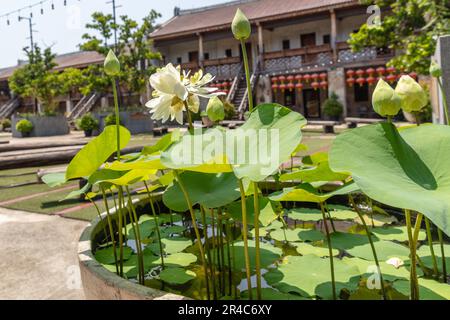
310 276
96 152
177 276
368 268
305 214
209 190
425 256
346 241
404 170
384 249
306 249
106 256
272 294
180 259
428 289
377 220
396 233
172 245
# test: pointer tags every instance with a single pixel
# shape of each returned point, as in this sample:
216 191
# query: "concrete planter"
136 122
43 126
101 284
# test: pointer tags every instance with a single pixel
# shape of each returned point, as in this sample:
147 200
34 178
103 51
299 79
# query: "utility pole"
30 22
114 7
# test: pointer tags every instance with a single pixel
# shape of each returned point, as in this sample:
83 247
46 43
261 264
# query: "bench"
328 126
160 131
353 122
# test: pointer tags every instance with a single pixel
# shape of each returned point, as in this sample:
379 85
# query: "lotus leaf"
428 289
306 249
176 276
267 211
106 256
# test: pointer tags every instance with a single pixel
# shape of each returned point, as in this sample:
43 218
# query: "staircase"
242 92
8 109
84 106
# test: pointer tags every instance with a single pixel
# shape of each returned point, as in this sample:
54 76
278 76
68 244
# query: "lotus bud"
435 70
241 26
412 94
112 64
215 109
385 101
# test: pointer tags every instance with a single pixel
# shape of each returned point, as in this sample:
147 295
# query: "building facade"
298 53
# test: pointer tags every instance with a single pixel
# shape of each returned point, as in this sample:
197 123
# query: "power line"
114 8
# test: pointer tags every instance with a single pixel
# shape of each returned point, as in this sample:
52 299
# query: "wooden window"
193 56
206 56
286 44
326 39
179 60
228 53
308 39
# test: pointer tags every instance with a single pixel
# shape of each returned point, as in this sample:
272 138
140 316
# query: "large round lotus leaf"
296 235
177 276
395 233
368 269
310 276
170 245
376 220
180 259
268 137
267 211
305 249
146 229
407 170
131 266
425 255
345 241
209 190
272 294
199 151
305 214
307 193
385 250
106 256
268 253
428 289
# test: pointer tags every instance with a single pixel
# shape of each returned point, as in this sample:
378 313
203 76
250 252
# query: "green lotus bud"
112 64
435 70
414 98
385 101
241 26
215 109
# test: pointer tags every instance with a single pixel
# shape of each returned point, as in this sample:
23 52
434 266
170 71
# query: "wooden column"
260 43
201 53
333 37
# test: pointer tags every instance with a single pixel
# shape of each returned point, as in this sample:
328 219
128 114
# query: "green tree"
409 27
133 50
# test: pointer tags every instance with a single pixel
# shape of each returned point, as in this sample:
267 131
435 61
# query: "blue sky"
62 28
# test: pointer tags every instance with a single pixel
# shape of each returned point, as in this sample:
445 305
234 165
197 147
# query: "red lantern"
274 80
390 70
370 71
413 75
361 81
299 78
391 78
299 86
282 79
350 73
324 84
315 85
371 80
360 73
290 78
315 76
282 87
323 76
381 71
351 81
291 86
307 77
275 87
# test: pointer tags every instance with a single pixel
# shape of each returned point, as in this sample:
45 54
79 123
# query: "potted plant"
333 108
25 127
110 120
88 124
6 124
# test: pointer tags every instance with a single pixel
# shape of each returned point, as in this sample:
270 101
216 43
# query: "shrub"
230 110
24 126
110 120
87 123
5 123
332 107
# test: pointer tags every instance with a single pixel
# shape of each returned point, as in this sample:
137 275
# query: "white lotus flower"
396 262
174 92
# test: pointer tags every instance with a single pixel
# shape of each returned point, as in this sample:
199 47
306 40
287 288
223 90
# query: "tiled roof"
70 60
220 16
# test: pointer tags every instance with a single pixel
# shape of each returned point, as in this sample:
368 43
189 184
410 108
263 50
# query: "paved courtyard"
39 258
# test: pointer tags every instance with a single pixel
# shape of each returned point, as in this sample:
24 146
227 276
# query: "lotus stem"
120 215
189 117
230 270
330 250
413 271
247 75
158 231
444 266
245 238
111 230
444 98
116 109
208 251
430 243
197 232
419 219
137 232
257 242
372 246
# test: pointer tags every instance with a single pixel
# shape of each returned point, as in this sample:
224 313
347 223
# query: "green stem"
120 216
116 109
430 243
197 232
245 238
257 244
412 255
229 240
330 250
208 251
444 266
372 246
135 223
444 98
158 231
416 239
215 251
189 117
111 230
247 75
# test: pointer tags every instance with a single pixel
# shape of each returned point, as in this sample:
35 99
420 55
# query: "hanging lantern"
360 73
390 70
291 86
391 78
361 81
370 72
315 77
299 86
350 73
413 75
381 71
371 80
282 79
299 78
282 87
290 78
274 80
275 87
323 76
351 81
315 85
324 84
307 78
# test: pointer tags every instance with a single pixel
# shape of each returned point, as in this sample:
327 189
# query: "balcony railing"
226 68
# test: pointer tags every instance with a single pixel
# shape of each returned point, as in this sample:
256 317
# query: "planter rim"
87 260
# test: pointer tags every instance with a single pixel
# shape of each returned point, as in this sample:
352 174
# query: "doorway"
193 56
308 40
311 101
